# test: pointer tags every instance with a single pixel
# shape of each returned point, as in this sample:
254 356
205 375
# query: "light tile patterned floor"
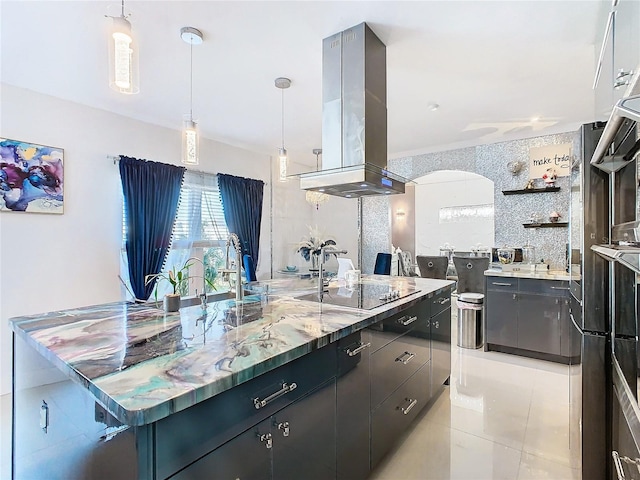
502 417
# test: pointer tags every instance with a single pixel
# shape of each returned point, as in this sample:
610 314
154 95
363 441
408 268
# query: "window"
200 232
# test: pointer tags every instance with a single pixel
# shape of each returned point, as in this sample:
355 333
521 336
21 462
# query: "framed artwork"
31 177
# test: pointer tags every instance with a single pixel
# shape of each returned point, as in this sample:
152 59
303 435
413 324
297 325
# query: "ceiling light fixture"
190 140
312 196
282 83
433 107
123 55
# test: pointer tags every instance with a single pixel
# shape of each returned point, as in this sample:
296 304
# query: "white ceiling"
492 66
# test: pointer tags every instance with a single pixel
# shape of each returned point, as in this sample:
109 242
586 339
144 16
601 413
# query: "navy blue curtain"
151 193
242 204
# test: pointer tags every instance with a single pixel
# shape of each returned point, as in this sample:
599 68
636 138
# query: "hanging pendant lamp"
123 55
190 136
314 197
282 83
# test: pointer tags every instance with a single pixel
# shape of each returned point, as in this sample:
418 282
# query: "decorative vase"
171 302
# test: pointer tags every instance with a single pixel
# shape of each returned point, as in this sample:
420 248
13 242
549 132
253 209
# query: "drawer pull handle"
618 464
284 390
404 321
266 439
353 353
444 300
406 360
560 288
412 404
501 284
284 426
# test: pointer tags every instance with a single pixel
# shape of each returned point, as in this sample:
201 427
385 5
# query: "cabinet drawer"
502 284
390 328
440 302
392 418
392 365
185 436
558 288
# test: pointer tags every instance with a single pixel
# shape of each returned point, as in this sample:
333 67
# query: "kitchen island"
272 387
527 313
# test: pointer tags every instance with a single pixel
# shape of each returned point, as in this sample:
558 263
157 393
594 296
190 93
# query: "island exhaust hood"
354 118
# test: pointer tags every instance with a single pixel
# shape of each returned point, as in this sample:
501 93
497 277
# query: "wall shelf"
530 190
546 225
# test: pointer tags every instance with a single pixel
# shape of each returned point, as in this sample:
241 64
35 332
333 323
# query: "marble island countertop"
143 364
540 275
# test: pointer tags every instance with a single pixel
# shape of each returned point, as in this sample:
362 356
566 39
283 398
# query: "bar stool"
432 266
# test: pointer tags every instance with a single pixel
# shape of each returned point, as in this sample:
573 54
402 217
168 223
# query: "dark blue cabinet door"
440 349
502 318
539 323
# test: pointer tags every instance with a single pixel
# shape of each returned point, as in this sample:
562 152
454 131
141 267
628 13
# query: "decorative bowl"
291 268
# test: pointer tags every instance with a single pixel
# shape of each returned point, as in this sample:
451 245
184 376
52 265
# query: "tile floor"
502 417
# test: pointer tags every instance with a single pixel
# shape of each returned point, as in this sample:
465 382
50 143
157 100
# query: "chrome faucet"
328 249
235 241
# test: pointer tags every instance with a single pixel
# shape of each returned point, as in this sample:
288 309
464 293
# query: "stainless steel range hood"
354 118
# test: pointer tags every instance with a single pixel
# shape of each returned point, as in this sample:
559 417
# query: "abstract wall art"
31 177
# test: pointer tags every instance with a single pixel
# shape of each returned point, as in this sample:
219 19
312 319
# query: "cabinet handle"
284 390
560 288
404 321
444 300
501 284
412 403
618 464
361 347
407 360
266 439
44 416
284 426
436 324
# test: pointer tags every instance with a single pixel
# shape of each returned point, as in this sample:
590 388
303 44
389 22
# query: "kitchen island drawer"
440 302
502 284
185 436
392 418
389 329
392 365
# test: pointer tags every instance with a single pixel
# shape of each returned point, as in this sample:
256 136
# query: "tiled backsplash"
511 211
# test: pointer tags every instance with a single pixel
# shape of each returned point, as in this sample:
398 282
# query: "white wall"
448 188
51 262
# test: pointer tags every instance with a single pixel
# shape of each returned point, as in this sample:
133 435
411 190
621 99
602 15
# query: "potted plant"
179 280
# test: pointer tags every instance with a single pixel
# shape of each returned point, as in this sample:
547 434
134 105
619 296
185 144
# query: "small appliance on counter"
523 259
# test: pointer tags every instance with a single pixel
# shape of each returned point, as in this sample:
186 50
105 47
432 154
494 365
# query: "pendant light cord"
191 80
122 9
282 90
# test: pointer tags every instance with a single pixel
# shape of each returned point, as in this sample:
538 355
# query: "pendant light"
190 137
123 56
282 83
314 197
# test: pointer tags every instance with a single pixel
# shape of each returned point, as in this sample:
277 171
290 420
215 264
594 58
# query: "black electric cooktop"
364 296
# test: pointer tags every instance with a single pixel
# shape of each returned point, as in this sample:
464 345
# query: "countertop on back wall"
544 275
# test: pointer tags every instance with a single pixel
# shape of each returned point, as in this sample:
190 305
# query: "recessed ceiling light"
364 185
348 196
534 119
433 107
321 189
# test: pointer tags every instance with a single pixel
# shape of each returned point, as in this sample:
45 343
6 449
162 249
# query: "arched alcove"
454 207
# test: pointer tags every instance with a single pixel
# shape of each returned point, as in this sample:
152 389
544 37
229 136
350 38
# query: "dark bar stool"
432 267
383 264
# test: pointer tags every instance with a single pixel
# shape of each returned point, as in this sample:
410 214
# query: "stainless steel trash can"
470 320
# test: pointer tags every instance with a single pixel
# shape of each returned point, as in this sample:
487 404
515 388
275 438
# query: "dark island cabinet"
529 317
297 442
353 406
